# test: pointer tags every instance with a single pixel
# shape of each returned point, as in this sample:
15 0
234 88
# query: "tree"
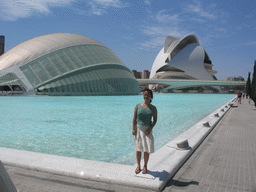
248 85
253 94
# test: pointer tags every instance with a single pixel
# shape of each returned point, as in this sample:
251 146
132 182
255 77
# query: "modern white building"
65 64
182 59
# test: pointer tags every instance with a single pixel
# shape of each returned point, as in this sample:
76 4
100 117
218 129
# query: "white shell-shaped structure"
66 64
182 59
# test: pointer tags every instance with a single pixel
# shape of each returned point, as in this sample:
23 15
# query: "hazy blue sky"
136 29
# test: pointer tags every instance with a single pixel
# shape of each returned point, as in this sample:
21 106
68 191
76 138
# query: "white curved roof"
158 63
189 57
168 41
191 60
39 46
174 44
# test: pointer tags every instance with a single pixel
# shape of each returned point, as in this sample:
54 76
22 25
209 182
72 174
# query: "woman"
239 96
142 129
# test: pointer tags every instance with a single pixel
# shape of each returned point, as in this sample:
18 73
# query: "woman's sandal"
144 171
137 170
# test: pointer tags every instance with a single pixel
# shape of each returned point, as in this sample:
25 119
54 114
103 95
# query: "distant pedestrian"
249 99
243 94
142 129
239 96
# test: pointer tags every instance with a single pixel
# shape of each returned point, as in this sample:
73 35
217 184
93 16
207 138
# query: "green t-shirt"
145 114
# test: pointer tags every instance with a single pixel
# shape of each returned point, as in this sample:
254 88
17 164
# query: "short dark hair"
148 90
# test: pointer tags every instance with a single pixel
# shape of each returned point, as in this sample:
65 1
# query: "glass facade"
10 82
10 79
87 69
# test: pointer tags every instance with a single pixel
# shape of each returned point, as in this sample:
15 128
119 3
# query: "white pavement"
226 160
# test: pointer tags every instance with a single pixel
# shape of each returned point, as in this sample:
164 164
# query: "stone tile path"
226 160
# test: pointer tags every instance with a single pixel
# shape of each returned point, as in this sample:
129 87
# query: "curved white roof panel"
158 63
185 40
168 41
40 46
191 60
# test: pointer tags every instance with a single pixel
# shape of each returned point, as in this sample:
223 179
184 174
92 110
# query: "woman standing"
142 129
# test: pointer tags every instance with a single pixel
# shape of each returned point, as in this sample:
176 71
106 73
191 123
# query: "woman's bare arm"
134 122
154 122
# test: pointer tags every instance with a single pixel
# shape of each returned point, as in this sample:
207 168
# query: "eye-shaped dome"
34 48
67 64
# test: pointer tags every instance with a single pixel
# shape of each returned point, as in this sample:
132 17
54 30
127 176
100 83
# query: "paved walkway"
226 160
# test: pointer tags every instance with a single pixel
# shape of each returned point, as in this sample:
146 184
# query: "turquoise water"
98 127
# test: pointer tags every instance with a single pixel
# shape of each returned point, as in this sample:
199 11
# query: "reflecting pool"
96 127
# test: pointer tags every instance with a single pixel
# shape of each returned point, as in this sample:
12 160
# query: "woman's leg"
138 156
146 157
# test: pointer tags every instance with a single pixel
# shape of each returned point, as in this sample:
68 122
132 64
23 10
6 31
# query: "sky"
136 29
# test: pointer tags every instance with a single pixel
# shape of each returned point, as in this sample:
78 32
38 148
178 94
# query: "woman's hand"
148 132
134 132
